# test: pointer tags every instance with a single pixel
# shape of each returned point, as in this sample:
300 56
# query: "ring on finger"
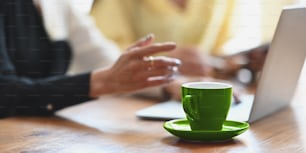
151 59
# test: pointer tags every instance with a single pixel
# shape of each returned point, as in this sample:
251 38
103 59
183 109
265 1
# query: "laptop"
278 80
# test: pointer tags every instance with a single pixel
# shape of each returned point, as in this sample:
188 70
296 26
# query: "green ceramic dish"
181 129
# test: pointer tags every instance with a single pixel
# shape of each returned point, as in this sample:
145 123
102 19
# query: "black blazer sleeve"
26 96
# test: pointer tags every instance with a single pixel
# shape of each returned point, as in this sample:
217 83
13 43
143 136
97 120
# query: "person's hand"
193 62
136 69
251 60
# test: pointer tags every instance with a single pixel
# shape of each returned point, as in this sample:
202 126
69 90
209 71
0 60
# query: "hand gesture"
136 69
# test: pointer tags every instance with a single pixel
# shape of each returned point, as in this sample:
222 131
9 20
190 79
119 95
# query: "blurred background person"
225 39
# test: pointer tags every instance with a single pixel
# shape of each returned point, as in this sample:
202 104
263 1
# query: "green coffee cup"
206 104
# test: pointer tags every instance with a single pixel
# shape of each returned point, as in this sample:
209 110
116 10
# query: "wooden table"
109 125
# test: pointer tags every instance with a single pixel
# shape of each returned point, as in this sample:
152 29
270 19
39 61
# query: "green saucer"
181 129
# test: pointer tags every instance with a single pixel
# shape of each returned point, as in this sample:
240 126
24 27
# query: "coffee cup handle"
187 106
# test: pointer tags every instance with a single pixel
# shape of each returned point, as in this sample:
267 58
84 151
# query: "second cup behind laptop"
206 104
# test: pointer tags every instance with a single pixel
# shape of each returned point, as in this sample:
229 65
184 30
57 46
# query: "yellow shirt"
216 26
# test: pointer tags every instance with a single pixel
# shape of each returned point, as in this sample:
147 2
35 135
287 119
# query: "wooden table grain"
109 125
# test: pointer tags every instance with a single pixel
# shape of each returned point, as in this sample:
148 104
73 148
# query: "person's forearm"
97 86
25 96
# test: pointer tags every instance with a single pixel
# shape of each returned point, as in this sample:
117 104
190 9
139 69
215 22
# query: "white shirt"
63 20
